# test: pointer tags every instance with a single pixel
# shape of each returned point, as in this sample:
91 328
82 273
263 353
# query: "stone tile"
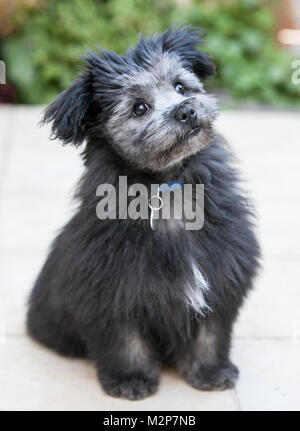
56 169
29 221
37 379
265 131
273 307
38 163
6 114
279 229
269 374
3 122
18 271
265 144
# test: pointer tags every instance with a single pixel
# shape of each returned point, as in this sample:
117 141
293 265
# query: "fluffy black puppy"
129 297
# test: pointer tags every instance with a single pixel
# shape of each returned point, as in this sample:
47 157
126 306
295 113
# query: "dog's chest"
172 264
170 226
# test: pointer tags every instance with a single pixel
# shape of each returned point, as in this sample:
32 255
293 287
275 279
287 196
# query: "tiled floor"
36 179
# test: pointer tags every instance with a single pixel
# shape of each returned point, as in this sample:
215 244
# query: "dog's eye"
140 108
179 87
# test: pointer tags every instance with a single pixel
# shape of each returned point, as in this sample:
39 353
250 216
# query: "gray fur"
152 141
129 298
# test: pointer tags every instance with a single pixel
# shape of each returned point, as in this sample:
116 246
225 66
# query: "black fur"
112 290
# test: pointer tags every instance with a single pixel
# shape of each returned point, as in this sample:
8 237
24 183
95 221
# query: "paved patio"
36 180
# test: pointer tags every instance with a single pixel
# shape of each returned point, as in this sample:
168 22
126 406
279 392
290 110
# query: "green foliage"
42 55
241 38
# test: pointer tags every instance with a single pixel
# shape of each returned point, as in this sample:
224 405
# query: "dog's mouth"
203 125
194 131
201 132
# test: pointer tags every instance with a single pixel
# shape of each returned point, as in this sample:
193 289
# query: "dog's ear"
67 112
184 41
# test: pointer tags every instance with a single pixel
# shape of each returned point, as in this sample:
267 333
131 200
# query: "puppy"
129 295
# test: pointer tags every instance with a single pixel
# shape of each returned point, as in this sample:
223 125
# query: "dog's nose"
186 114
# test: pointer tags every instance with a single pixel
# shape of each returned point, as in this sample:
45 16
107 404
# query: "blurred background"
253 42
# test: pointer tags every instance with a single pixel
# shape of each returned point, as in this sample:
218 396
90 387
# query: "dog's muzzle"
186 115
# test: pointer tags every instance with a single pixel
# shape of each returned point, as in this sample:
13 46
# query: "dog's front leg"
205 363
126 365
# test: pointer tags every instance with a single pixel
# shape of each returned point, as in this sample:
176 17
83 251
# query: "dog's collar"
156 201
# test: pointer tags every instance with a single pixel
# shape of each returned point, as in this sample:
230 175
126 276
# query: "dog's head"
150 104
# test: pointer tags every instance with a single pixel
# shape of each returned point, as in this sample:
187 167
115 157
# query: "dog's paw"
131 388
214 379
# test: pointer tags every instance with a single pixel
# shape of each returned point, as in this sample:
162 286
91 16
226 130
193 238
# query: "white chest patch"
194 291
